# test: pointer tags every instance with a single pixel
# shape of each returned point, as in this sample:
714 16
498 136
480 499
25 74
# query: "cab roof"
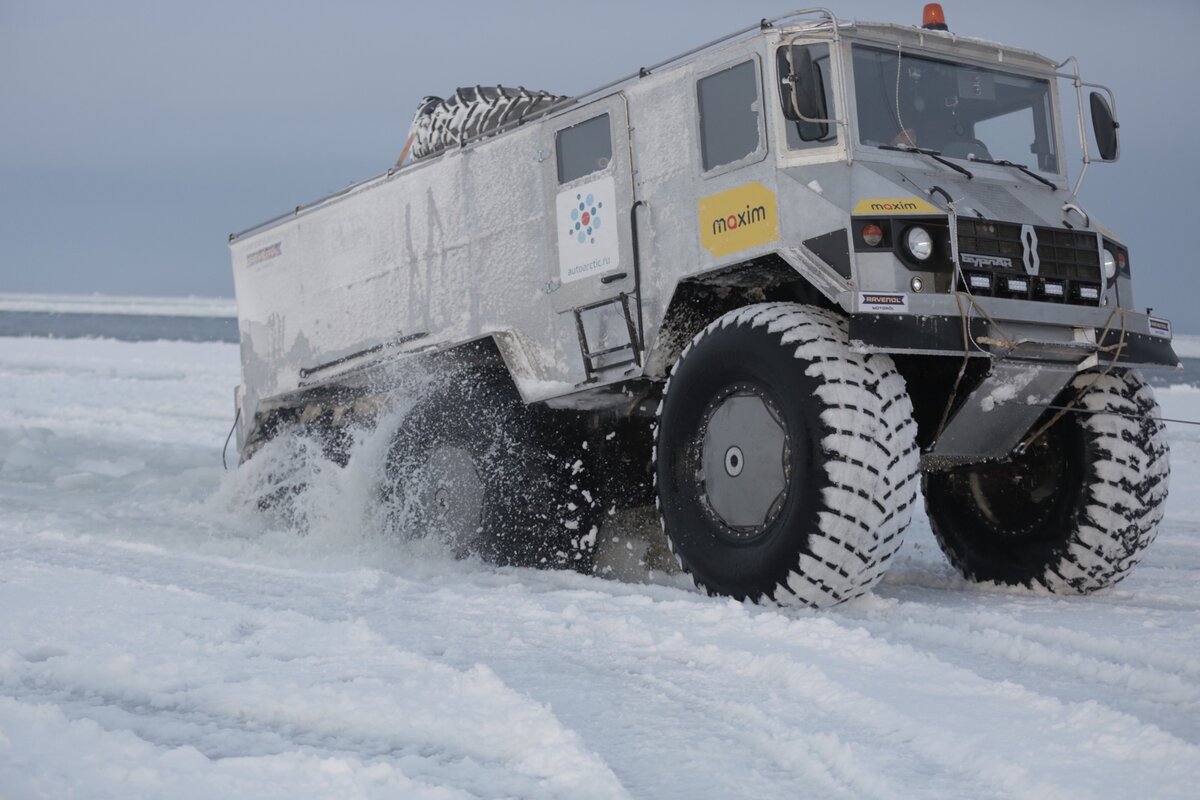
944 42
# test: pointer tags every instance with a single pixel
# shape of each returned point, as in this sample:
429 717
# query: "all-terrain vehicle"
768 285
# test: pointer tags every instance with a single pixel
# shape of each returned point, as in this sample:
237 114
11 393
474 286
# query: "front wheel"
1072 513
786 463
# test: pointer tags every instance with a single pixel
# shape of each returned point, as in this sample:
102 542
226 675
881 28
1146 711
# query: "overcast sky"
134 136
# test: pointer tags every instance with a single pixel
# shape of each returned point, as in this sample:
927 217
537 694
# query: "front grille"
1068 270
1072 255
995 239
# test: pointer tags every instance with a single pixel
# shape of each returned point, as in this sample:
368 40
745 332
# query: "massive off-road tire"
472 111
475 467
1074 512
785 464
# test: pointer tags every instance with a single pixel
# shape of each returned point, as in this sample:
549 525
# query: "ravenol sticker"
587 230
1159 327
738 219
895 205
883 302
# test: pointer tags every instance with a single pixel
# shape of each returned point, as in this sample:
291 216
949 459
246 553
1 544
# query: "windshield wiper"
936 155
1004 162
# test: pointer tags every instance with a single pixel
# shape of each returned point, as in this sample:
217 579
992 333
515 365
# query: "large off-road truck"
768 285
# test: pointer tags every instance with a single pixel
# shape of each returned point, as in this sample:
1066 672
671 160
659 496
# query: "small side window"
583 149
729 108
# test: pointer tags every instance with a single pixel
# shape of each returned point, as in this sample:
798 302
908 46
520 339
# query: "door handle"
616 276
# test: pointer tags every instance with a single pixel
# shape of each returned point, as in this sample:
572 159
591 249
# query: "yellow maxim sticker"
895 205
738 219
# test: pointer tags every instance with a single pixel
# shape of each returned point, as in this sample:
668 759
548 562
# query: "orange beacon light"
933 18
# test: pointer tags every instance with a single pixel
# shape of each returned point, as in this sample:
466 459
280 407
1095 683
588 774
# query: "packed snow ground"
160 637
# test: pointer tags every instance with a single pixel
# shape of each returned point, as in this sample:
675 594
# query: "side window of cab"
729 103
583 148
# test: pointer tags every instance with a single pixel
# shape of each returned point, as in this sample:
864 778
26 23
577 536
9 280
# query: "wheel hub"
744 461
450 496
734 461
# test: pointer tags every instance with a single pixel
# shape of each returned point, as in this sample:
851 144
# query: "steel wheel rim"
450 497
743 459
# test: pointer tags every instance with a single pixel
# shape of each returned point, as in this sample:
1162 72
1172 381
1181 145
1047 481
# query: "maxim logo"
985 261
895 206
901 205
738 220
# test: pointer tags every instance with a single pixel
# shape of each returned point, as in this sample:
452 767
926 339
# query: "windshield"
958 110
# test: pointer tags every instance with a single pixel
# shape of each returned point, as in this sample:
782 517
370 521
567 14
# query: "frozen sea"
162 637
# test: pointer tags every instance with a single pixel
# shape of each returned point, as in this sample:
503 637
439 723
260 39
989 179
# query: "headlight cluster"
1114 260
919 243
1110 264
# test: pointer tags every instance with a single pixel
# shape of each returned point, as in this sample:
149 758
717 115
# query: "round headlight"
1110 263
919 243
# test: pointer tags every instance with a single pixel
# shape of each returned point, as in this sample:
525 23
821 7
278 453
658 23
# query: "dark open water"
148 327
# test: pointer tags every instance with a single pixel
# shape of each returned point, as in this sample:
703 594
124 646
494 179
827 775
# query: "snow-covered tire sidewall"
854 461
531 513
1108 514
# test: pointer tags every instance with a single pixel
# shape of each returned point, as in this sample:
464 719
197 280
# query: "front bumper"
893 322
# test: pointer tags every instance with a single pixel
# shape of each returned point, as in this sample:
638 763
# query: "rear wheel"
785 463
1076 510
474 467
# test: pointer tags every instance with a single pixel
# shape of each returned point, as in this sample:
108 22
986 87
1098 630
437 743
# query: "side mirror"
1104 127
802 94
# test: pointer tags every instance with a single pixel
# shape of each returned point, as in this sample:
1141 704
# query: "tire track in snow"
866 717
855 688
822 758
272 588
1158 678
280 681
928 739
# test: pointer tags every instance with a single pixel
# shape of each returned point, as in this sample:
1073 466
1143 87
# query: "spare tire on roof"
472 111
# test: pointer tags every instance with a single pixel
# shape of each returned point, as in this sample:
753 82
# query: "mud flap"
1001 410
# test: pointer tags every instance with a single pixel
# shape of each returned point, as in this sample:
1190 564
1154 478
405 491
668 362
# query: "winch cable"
1126 415
965 316
1009 345
1061 412
962 368
968 342
232 428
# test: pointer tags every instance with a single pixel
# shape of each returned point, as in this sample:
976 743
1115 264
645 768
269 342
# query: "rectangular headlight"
980 281
1089 293
1017 285
1052 289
